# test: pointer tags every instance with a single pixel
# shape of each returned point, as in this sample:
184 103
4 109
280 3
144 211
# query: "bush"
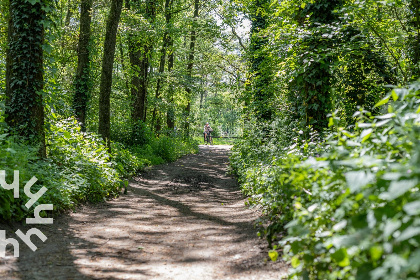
86 156
126 162
352 212
79 167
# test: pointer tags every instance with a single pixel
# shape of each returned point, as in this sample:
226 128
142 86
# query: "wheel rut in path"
182 220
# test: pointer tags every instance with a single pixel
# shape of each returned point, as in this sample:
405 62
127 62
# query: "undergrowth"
78 167
349 205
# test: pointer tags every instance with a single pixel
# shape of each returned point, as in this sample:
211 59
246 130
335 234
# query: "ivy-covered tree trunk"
260 94
190 65
82 80
155 118
106 74
25 72
415 38
363 63
311 90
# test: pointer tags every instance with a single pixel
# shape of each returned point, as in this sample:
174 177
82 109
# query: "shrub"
352 211
79 167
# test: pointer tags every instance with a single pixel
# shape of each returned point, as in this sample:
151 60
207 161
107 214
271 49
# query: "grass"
218 141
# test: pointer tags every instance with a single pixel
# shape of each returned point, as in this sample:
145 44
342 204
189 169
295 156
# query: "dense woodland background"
323 93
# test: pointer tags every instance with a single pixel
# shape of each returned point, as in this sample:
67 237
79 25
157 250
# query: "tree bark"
190 65
140 55
82 80
415 40
155 118
170 114
260 93
106 74
25 71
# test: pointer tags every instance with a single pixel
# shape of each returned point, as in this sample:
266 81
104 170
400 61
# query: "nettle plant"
357 206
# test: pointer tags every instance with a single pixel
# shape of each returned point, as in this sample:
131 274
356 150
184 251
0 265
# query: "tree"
311 88
107 66
165 43
170 114
140 53
25 72
82 80
190 65
260 93
414 45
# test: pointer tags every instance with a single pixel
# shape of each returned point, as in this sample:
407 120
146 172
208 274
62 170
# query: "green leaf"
341 257
382 102
273 254
390 227
33 2
357 179
412 208
366 134
67 134
376 252
381 123
386 116
409 233
398 188
295 261
394 95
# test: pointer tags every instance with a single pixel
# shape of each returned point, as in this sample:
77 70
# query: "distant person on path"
207 132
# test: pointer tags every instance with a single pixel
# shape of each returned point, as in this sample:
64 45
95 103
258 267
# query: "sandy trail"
183 220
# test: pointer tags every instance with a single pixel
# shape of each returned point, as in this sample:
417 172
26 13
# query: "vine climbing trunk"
261 77
311 89
106 73
25 71
82 80
190 65
415 38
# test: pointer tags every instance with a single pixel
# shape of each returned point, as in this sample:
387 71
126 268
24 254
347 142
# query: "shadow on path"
183 220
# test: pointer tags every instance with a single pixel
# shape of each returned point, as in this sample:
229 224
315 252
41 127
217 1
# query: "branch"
233 32
239 38
385 45
180 10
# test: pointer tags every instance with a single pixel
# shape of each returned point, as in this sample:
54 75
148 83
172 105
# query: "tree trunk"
106 74
82 80
170 114
155 118
415 39
189 70
260 93
25 72
69 13
140 55
311 90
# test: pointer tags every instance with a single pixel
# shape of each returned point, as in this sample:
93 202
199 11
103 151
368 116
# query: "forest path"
182 220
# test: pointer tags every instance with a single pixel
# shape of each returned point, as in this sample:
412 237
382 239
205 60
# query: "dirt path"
184 220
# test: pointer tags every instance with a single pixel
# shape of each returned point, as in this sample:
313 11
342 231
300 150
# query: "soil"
182 220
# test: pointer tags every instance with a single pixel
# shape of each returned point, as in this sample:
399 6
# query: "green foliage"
126 162
86 156
351 211
79 167
165 149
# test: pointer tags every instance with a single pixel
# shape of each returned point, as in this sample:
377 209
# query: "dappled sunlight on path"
183 220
